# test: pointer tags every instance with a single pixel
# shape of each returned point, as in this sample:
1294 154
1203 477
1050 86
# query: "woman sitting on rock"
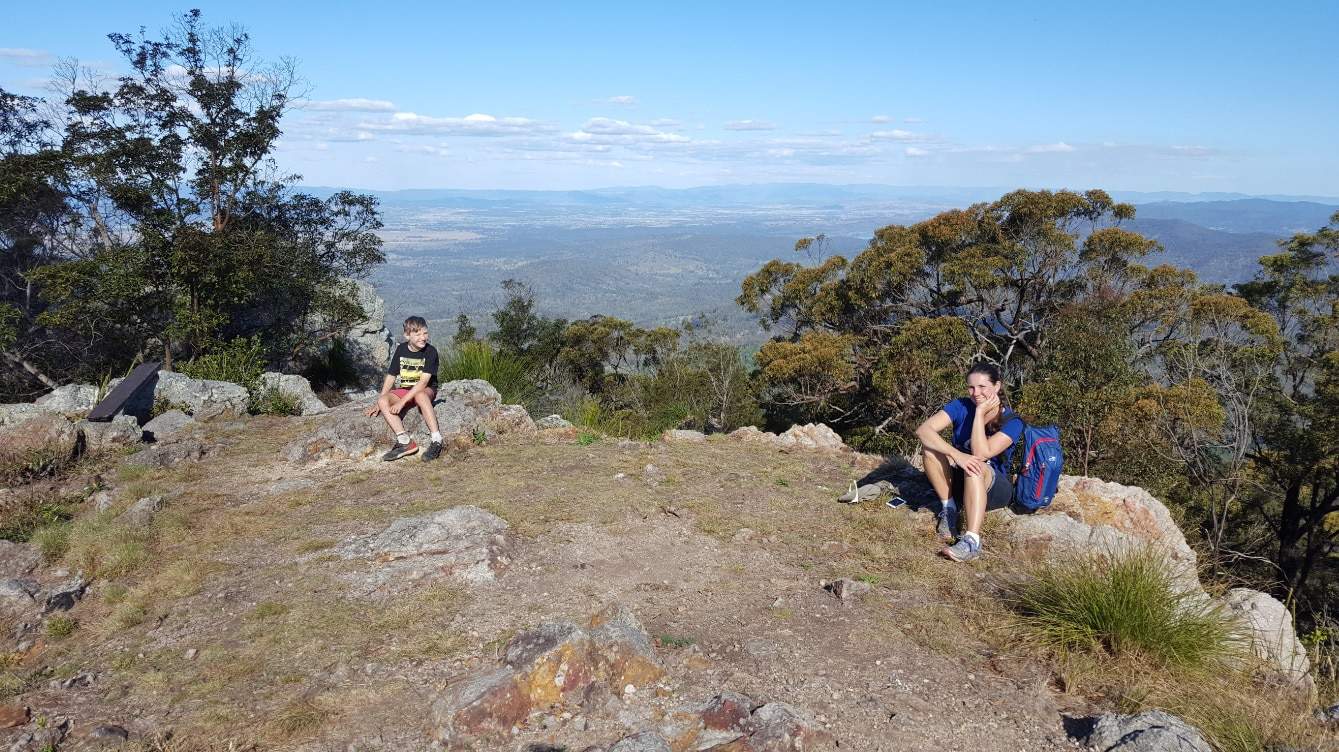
973 471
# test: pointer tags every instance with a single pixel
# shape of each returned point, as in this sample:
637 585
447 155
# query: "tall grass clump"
241 361
509 374
1126 605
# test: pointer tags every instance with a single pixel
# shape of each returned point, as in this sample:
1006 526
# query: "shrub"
509 374
1126 605
60 627
271 401
241 361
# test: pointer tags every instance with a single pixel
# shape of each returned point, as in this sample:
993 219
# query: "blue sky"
1195 96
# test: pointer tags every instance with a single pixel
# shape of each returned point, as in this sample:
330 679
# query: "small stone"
630 690
102 500
191 653
109 732
846 589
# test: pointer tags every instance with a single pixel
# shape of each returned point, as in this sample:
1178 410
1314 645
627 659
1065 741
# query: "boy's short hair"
415 323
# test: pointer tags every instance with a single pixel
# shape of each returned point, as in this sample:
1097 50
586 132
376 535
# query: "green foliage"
465 332
586 438
23 519
272 401
240 361
1126 605
479 436
522 332
508 372
60 627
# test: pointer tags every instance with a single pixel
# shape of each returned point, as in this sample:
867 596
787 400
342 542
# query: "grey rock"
18 559
16 413
845 589
109 732
63 596
680 436
553 421
1150 731
17 594
204 398
142 512
45 435
167 424
296 387
1269 626
71 398
102 500
646 741
123 430
465 542
170 453
783 727
1330 714
461 407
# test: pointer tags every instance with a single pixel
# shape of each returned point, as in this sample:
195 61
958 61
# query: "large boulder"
1089 515
163 454
121 431
167 424
1268 625
463 542
368 340
71 398
18 559
202 398
810 437
43 437
556 663
295 387
1150 731
461 408
14 414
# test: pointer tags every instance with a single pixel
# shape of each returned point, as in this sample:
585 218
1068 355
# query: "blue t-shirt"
963 412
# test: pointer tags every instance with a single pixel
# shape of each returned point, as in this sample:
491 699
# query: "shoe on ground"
401 450
965 549
433 451
947 529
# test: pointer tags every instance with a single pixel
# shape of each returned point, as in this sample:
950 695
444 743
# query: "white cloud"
477 124
1059 147
26 57
625 100
354 104
429 149
607 131
897 134
915 151
750 125
880 119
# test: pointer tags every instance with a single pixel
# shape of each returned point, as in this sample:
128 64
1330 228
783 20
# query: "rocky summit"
216 581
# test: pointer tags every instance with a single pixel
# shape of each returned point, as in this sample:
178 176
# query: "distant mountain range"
656 255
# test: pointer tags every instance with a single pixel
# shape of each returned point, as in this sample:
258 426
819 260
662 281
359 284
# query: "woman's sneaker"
433 451
966 549
400 450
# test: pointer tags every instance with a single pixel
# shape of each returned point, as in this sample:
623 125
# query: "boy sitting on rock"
411 379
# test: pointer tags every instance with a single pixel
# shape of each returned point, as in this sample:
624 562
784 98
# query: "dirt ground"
243 629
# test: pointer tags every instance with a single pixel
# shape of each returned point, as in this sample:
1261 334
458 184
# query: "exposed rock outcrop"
38 438
462 542
121 431
203 398
556 663
71 398
461 408
812 436
297 388
1150 731
167 425
1269 626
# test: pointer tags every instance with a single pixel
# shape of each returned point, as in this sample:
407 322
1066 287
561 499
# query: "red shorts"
432 394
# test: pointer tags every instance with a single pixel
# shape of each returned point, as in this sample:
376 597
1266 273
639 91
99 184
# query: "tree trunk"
1291 561
32 370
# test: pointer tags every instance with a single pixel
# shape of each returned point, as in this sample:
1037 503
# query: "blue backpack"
1042 462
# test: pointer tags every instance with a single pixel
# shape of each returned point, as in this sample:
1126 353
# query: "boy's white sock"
402 438
976 539
437 437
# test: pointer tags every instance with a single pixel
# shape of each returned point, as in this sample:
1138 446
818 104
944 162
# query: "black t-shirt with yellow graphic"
408 366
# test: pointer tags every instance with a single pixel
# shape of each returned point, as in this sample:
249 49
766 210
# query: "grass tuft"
1126 605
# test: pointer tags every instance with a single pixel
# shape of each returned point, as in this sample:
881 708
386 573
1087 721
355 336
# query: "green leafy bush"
241 361
509 374
271 401
1126 605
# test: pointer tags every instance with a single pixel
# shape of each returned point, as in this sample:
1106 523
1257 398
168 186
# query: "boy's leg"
392 420
423 400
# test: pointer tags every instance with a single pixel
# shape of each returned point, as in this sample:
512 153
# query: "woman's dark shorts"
998 496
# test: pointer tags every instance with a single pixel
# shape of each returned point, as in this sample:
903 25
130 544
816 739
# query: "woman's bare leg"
974 488
937 469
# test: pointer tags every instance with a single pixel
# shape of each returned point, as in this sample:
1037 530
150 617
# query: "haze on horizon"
1195 97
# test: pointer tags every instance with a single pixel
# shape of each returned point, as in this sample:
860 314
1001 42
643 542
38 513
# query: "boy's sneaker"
433 451
948 524
400 450
965 549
